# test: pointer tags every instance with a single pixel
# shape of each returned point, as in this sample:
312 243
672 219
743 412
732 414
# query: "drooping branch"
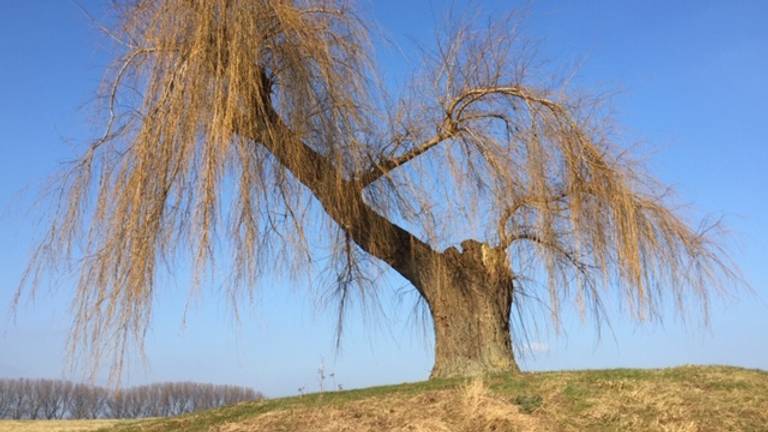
467 98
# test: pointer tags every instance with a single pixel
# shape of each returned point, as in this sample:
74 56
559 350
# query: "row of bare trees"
56 399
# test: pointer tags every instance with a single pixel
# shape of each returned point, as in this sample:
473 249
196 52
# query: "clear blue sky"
691 83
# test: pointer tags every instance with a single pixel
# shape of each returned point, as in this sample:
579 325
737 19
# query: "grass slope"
685 399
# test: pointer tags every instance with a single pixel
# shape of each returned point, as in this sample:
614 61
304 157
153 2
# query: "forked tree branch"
451 126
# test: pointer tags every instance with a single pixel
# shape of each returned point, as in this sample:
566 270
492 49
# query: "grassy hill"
684 399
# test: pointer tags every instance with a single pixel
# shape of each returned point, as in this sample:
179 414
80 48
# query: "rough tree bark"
470 300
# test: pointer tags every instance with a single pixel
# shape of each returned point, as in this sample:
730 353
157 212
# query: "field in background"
57 425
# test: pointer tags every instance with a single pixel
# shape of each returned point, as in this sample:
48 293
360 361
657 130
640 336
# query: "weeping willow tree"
231 125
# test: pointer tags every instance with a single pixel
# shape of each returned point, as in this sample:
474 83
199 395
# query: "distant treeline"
58 399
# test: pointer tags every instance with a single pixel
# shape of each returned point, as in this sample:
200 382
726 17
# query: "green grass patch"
528 403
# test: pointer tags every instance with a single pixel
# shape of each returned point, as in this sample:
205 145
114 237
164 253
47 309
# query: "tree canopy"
262 128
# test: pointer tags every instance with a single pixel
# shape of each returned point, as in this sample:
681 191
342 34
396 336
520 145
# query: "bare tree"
115 406
53 396
64 390
20 396
5 398
480 178
88 402
78 403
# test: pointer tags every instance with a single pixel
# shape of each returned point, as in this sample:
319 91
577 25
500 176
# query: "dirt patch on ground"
471 409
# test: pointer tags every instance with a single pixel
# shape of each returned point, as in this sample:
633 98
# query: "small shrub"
528 403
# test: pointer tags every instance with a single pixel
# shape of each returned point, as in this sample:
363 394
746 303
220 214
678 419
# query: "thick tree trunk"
470 304
471 334
469 293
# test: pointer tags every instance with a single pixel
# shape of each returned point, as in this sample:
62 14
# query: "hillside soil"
683 399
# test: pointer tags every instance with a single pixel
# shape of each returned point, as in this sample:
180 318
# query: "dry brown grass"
56 425
467 409
685 399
